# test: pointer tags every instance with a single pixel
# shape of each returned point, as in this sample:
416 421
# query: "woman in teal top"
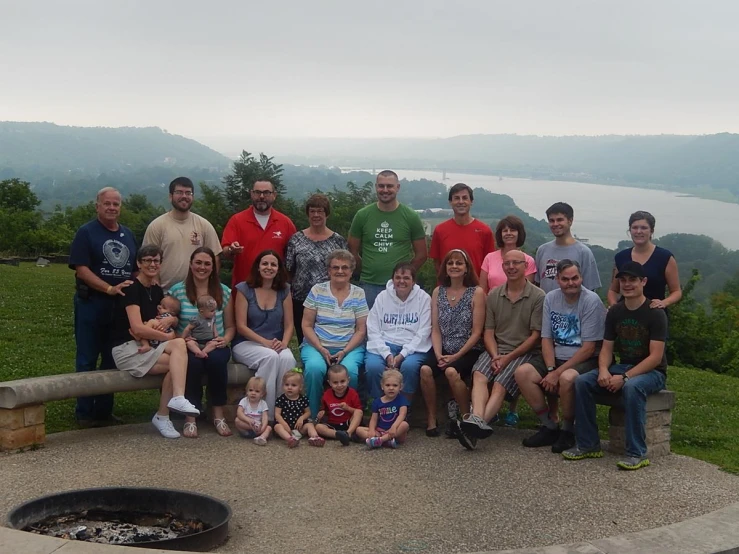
202 279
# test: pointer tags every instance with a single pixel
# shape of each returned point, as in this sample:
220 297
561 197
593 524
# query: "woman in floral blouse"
306 254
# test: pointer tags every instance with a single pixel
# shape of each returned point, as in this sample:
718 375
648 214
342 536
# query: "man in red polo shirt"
462 231
254 230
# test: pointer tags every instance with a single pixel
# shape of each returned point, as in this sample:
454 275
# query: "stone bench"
22 402
659 419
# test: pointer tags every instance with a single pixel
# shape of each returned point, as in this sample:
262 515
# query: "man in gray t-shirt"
573 322
564 247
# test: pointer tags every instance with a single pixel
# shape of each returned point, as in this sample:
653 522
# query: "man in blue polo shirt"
102 256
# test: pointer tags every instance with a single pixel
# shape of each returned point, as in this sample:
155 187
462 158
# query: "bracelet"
110 288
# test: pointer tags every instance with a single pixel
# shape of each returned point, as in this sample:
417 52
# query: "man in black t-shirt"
638 334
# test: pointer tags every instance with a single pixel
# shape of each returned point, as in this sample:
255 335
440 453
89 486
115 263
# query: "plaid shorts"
506 377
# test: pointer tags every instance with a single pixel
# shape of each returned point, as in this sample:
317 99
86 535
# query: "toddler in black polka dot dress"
292 412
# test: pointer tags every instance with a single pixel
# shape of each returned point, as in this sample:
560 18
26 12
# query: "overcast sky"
373 69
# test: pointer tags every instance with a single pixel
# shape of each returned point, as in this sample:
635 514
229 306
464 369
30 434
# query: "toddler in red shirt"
340 406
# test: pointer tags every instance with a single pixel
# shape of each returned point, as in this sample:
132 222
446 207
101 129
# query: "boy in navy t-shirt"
387 426
341 407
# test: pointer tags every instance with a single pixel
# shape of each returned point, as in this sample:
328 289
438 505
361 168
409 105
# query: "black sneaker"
565 441
470 443
543 437
343 438
451 429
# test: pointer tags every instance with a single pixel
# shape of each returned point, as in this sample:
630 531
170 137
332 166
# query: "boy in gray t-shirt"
560 216
202 328
549 254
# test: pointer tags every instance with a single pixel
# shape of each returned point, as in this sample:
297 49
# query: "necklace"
452 296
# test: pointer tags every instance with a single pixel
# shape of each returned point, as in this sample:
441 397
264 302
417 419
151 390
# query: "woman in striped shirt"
334 327
202 279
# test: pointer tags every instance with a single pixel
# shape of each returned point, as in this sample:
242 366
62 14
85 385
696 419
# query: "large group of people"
499 323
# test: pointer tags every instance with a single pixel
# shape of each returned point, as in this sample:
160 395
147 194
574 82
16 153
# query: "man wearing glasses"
257 228
512 337
102 256
179 232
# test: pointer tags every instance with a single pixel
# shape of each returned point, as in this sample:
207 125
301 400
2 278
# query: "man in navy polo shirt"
102 256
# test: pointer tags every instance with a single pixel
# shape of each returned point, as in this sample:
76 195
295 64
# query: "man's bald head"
514 265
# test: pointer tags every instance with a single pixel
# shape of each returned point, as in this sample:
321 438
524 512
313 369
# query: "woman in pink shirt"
509 235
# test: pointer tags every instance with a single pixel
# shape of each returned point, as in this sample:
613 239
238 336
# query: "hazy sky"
373 69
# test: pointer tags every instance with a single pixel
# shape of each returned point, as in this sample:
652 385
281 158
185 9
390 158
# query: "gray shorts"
127 358
506 377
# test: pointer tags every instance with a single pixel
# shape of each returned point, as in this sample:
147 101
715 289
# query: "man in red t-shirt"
462 231
341 407
254 230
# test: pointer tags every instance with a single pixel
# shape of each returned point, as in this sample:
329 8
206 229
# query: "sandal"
433 432
316 441
222 427
190 430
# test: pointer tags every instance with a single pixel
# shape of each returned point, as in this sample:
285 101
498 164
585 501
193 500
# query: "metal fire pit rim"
221 529
128 488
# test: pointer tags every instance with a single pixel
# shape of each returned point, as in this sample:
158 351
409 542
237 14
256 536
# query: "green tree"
211 204
136 214
17 196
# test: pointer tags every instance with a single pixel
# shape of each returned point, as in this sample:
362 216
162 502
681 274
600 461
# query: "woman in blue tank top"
659 264
264 323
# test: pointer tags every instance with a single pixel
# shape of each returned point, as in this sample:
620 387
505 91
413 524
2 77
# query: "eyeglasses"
340 268
187 193
150 261
262 192
513 263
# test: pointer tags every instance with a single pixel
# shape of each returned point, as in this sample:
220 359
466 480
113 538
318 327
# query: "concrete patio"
428 496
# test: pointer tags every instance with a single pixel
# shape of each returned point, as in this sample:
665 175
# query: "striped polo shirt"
335 324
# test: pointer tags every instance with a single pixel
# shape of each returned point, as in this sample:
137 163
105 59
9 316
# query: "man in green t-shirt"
383 234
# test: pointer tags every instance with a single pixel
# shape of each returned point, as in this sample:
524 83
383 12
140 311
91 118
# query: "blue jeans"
634 394
93 318
371 291
374 365
314 371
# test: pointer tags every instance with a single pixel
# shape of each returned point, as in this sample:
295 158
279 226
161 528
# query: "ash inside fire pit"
145 517
116 527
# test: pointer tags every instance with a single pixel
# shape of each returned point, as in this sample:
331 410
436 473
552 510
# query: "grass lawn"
36 338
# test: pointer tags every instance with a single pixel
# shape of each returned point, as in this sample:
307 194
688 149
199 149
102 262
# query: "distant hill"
706 165
42 147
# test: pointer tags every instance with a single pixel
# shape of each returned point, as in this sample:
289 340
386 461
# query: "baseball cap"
635 269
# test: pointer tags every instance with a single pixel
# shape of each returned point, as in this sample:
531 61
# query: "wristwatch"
550 368
626 378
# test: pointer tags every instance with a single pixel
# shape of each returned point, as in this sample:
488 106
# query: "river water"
602 211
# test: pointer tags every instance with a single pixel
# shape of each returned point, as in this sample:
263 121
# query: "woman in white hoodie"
398 331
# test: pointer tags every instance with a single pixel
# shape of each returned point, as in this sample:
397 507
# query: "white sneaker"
182 405
165 427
